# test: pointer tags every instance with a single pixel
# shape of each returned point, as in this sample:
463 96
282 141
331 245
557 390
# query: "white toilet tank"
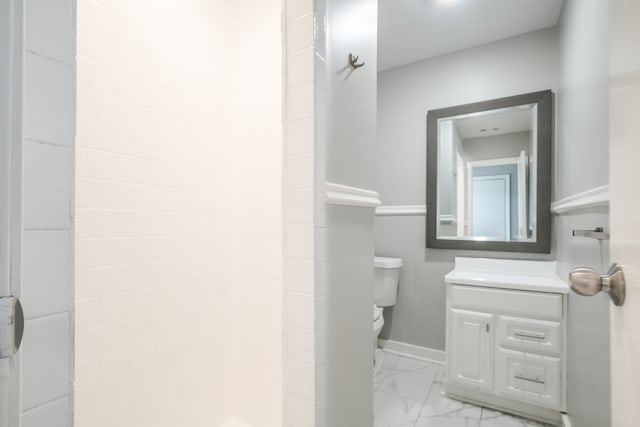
385 288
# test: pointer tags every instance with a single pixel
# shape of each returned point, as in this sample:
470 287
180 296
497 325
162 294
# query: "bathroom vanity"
506 336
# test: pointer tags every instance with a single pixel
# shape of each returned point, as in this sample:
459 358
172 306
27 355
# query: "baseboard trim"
414 351
565 420
503 404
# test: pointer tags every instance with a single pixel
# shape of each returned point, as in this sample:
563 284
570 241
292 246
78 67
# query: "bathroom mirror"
489 175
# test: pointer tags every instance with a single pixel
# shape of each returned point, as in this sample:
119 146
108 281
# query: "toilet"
385 292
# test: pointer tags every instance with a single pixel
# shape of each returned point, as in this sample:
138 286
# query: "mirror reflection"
489 174
486 175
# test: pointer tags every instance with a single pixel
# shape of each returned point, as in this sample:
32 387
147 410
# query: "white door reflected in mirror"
490 206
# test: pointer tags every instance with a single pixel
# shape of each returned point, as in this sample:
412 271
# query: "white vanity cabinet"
506 336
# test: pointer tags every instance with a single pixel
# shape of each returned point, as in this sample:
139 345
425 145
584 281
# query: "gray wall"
496 147
351 116
513 66
582 164
350 301
346 103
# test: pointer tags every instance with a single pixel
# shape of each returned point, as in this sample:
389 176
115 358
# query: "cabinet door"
470 349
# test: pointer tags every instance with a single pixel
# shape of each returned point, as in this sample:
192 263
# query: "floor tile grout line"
425 400
428 394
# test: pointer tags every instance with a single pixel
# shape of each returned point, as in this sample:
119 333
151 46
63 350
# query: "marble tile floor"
408 393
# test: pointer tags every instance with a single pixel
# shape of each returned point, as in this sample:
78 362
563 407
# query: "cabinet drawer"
530 378
529 334
523 303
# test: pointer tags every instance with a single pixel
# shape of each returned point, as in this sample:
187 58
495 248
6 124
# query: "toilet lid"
386 262
377 312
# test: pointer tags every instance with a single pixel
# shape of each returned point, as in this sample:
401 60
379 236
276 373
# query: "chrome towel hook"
353 60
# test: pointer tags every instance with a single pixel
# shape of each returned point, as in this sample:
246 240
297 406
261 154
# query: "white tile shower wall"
256 162
47 205
303 272
179 267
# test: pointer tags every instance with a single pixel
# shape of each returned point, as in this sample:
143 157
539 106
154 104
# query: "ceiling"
413 30
495 122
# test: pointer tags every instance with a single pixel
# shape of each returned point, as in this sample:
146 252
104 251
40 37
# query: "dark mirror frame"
542 243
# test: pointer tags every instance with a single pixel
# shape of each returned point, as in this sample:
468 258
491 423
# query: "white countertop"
537 276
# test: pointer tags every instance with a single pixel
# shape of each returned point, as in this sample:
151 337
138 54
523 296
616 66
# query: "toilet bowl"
385 292
378 323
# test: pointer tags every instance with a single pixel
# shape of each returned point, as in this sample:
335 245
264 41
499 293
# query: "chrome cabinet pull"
532 335
537 381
